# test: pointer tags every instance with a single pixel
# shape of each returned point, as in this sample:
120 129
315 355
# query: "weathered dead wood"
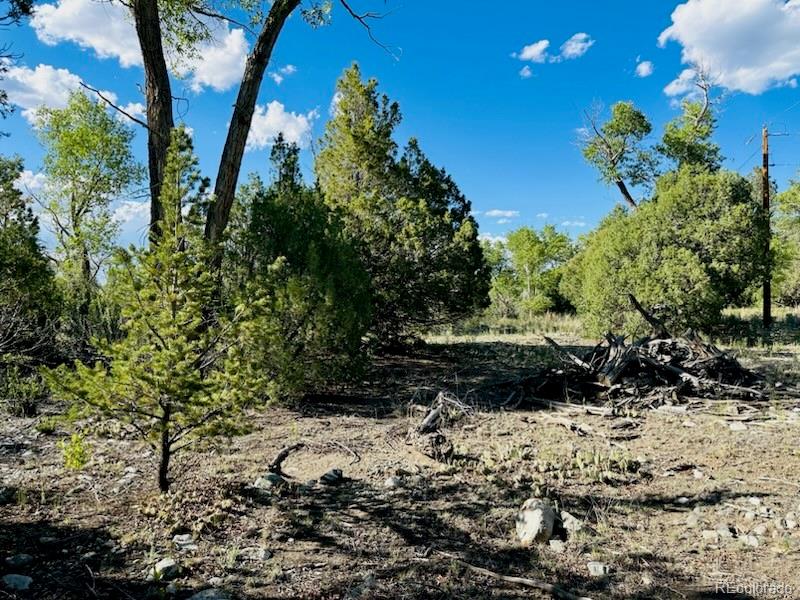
549 588
658 326
277 462
569 355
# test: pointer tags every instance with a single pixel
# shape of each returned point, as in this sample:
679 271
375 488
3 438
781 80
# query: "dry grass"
645 492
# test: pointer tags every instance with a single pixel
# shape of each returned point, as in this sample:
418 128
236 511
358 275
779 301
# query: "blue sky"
475 86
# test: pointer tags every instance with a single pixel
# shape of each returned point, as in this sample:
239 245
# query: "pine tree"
177 375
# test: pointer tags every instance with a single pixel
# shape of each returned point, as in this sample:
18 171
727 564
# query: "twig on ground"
552 589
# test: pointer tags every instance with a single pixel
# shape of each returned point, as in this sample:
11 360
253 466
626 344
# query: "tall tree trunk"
626 194
233 151
158 93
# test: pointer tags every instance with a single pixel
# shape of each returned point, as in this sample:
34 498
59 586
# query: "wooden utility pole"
765 189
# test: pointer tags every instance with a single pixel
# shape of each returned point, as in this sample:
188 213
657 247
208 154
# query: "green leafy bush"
21 390
692 250
76 451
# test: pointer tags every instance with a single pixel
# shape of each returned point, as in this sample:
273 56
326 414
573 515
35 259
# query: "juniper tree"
412 225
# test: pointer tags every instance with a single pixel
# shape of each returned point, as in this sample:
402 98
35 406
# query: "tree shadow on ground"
68 562
418 535
481 373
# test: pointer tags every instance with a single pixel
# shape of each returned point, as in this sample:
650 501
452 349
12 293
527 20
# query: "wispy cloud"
505 214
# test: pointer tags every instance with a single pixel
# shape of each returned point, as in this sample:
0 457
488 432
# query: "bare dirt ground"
688 501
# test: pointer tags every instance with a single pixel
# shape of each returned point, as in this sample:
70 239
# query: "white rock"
598 569
535 522
184 541
693 520
760 529
749 516
269 481
572 524
18 583
710 535
557 546
750 540
210 594
754 500
165 569
737 426
392 483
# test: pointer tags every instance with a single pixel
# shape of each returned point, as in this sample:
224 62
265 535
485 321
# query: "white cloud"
535 52
43 86
272 119
30 183
129 211
682 85
282 73
108 30
506 214
105 27
746 45
503 221
644 69
491 238
333 109
573 223
542 215
526 72
219 62
576 46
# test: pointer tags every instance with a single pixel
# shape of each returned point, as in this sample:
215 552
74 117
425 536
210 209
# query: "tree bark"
166 452
626 194
233 151
158 93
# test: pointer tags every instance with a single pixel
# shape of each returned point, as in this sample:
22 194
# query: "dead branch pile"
647 372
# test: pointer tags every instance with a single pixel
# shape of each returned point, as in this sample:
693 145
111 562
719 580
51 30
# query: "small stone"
18 583
749 516
535 522
172 589
710 535
754 500
750 540
557 546
332 477
392 483
256 553
269 481
688 423
737 426
725 531
215 581
598 569
184 541
693 520
698 474
647 580
760 529
210 594
790 521
165 570
571 523
682 500
19 560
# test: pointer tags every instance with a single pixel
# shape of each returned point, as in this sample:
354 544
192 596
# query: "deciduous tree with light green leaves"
410 222
176 376
88 163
